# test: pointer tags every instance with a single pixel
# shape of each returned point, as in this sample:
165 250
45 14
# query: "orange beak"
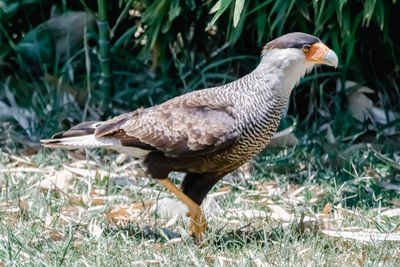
321 54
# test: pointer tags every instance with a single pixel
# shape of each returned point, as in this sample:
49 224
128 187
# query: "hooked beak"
331 59
321 54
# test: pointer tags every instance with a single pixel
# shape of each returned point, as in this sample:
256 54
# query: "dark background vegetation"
57 68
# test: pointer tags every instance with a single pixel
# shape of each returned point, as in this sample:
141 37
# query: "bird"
211 132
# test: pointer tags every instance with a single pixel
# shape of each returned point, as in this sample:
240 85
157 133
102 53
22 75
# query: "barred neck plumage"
264 92
261 96
262 106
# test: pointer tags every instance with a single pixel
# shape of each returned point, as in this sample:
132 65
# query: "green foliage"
54 57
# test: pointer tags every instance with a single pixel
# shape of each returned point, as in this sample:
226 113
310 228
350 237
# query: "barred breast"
259 124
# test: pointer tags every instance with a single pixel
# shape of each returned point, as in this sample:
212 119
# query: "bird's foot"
198 223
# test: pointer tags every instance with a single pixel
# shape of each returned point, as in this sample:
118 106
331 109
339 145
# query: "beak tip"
331 59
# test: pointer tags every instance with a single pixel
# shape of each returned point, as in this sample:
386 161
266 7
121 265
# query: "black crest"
292 40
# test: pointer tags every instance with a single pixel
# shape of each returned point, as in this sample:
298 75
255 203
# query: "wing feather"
184 126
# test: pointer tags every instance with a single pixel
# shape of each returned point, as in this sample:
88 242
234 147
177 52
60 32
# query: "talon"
198 225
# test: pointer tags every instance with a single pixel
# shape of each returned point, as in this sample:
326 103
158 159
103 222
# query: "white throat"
288 64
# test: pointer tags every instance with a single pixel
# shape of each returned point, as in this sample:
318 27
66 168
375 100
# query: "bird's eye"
306 48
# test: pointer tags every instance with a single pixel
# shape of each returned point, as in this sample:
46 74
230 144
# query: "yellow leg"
198 223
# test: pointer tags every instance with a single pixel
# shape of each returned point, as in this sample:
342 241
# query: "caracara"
211 132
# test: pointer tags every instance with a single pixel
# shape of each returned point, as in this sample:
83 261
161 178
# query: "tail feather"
83 136
84 128
79 136
76 142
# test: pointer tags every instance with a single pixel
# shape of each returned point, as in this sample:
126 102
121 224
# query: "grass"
273 213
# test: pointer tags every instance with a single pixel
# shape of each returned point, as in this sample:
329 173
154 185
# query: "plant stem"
104 50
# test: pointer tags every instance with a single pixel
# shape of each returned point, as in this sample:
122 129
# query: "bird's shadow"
220 238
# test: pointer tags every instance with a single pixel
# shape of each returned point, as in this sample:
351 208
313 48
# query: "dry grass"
89 210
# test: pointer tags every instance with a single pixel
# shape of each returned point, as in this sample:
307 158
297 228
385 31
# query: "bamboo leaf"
260 6
282 8
302 6
238 10
339 13
216 7
8 8
339 7
219 8
174 10
237 32
191 4
341 3
380 15
261 23
369 7
346 22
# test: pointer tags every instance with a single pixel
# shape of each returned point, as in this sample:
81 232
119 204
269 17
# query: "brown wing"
188 125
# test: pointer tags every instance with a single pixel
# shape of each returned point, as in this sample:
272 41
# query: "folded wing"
183 126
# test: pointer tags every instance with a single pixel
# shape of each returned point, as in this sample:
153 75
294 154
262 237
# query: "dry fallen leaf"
61 181
259 263
76 155
76 200
391 213
226 188
146 263
11 210
367 235
121 158
68 210
94 229
330 137
49 234
352 212
297 191
169 207
23 205
123 214
85 172
220 261
361 107
210 206
282 138
53 235
359 104
97 201
21 170
382 116
102 200
10 217
279 214
248 214
270 188
327 209
20 160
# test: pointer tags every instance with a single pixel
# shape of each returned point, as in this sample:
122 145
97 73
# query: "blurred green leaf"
238 10
302 6
174 10
219 8
261 24
380 15
369 6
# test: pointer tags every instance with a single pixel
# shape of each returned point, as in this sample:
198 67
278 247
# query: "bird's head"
295 54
